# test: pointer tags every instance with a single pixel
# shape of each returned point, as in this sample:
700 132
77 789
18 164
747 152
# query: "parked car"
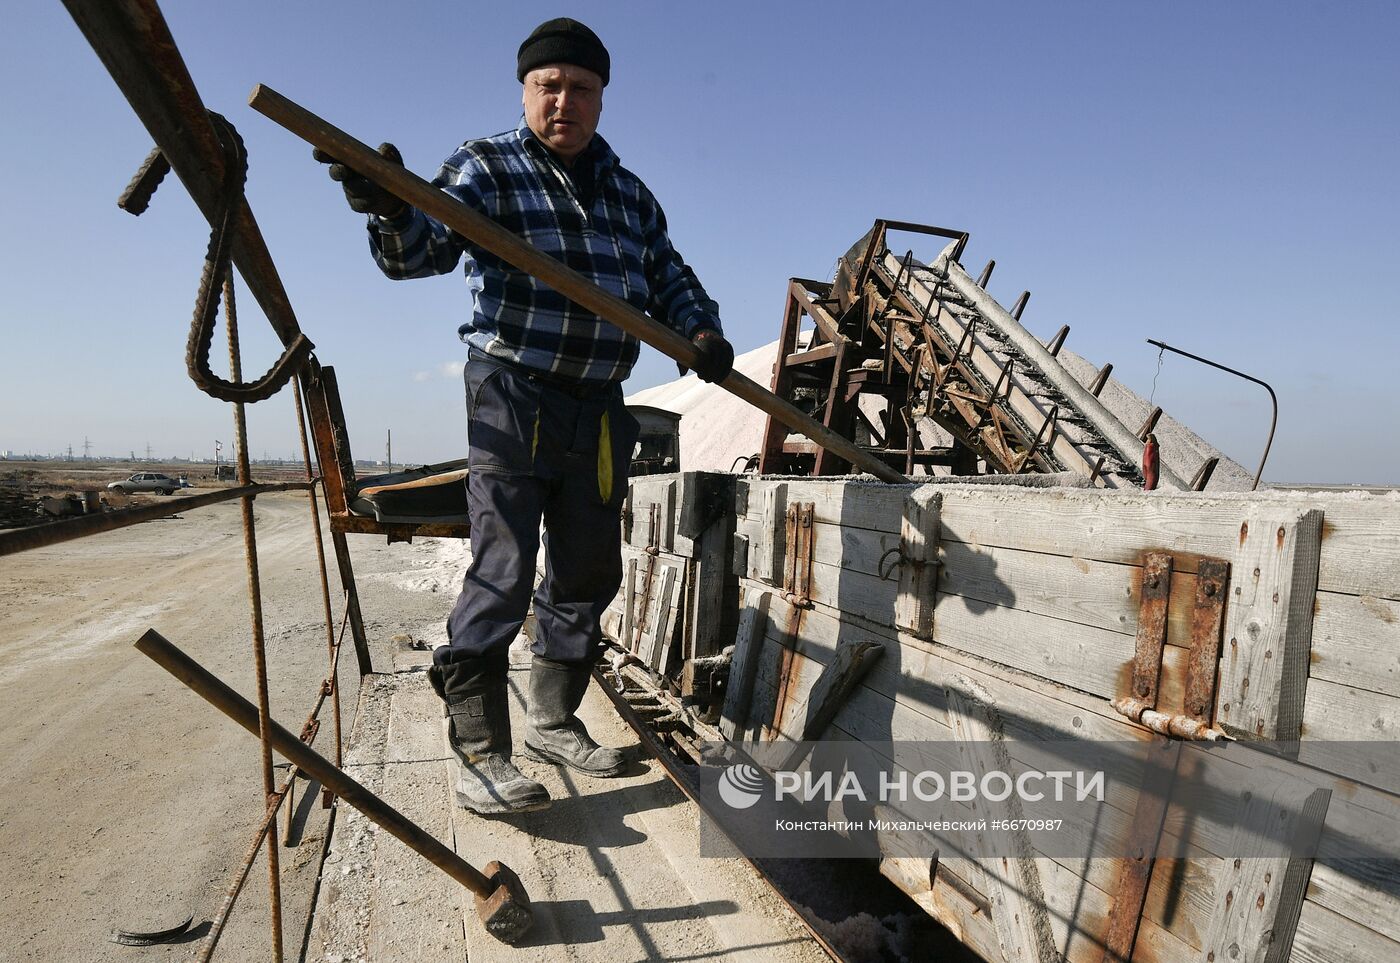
147 481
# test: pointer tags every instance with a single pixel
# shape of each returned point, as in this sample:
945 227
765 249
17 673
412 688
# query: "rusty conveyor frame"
930 342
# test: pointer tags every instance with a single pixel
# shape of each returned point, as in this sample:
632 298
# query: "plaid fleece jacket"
617 237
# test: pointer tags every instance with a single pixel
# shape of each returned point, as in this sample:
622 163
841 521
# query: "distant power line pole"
148 451
87 447
389 448
70 453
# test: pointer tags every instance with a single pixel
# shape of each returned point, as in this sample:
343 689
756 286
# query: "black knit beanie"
562 40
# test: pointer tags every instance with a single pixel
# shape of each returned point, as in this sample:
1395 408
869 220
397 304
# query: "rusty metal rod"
216 928
1273 423
41 536
250 551
320 563
213 690
498 240
134 43
211 939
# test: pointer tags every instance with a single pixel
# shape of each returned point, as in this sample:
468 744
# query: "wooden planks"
917 557
1259 892
1268 624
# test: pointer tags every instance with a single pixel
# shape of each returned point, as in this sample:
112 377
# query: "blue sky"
1218 176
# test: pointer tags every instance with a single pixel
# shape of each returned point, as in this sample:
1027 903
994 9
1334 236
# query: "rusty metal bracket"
797 561
1152 626
1135 872
1207 618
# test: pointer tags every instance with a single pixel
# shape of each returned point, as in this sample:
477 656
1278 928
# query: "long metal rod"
334 679
1103 421
240 710
250 550
482 230
134 43
52 533
1273 423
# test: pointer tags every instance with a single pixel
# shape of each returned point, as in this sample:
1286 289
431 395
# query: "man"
550 439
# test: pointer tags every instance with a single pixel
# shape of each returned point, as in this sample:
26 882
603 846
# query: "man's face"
562 106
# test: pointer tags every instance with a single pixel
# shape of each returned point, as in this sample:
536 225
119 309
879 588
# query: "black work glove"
363 194
716 356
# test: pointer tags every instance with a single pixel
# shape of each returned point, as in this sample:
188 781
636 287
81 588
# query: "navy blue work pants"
541 452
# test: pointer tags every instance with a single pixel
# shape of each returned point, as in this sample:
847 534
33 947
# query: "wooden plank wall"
1036 602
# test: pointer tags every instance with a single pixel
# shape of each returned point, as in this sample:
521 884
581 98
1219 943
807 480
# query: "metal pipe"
1100 418
320 563
1273 423
52 533
482 230
250 551
134 43
240 710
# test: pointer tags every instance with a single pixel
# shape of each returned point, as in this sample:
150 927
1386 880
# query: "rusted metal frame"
884 314
787 659
1207 619
1273 399
1152 418
877 435
877 243
351 524
233 705
1019 307
1129 891
771 460
1154 597
1049 371
1058 341
332 453
964 363
250 550
482 230
323 436
836 413
1049 458
1049 425
1202 477
1101 379
825 323
134 43
801 529
331 649
911 430
308 736
53 533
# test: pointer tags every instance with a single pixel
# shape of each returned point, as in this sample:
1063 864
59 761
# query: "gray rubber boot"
478 733
552 732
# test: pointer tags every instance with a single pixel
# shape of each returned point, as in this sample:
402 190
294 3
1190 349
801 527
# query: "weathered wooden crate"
679 596
1020 607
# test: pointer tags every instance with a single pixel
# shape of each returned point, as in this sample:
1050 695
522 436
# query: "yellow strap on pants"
605 460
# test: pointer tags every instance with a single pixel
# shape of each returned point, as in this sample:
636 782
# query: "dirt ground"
125 800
